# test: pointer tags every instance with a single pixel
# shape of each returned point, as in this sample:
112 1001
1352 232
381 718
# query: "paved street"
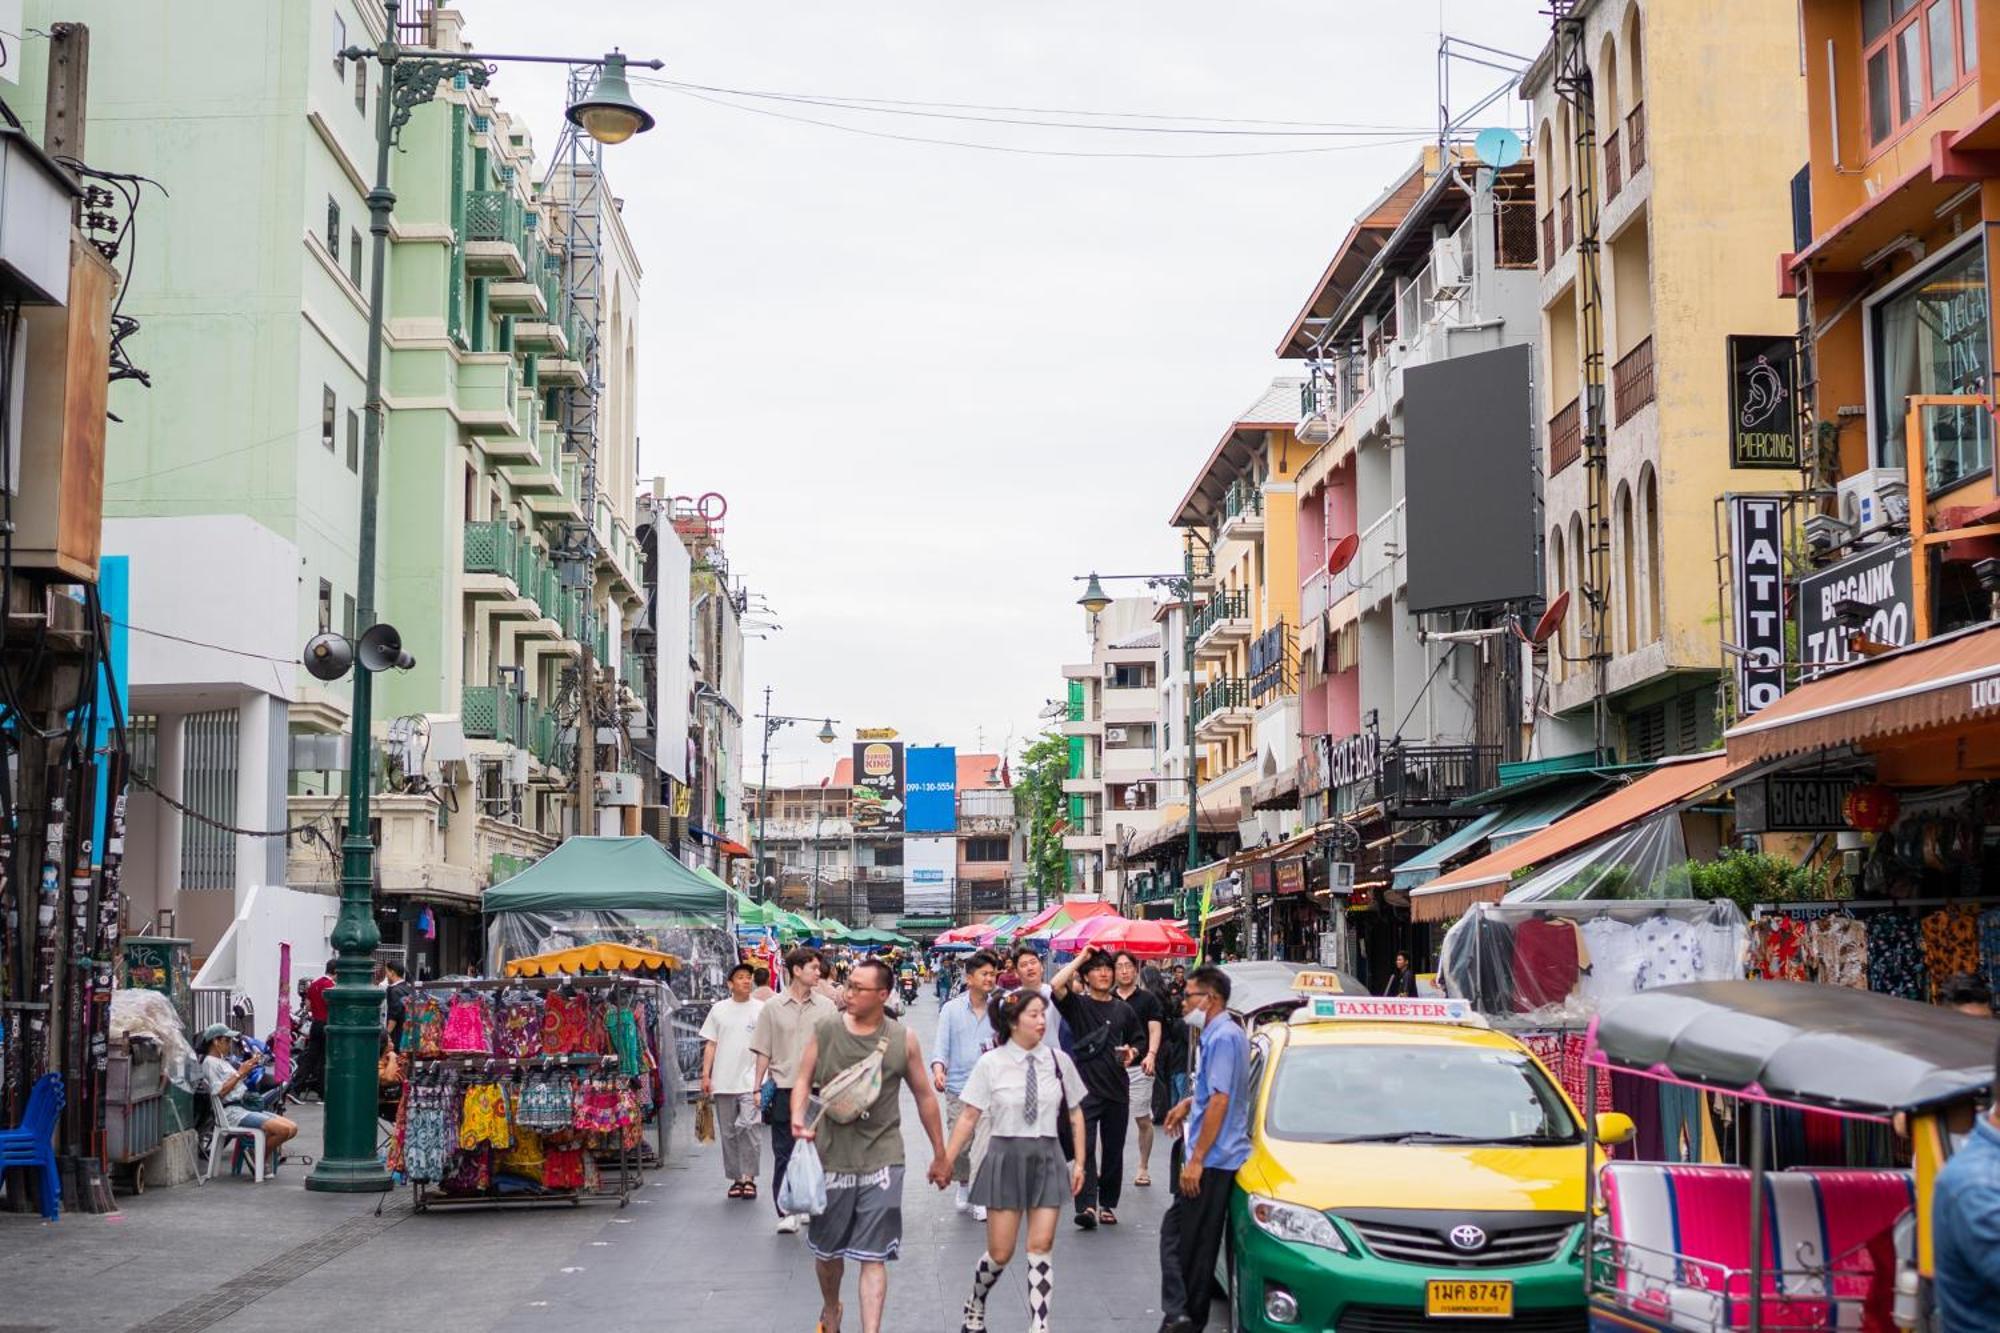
236 1258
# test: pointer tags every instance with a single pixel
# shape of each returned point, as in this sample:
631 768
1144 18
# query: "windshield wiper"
1429 1136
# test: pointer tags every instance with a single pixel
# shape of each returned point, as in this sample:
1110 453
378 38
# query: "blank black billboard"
1468 470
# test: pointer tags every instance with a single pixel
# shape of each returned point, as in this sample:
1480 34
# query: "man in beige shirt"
783 1029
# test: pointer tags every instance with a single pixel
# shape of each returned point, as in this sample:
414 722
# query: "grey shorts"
863 1218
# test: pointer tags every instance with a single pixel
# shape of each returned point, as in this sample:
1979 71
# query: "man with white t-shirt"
729 1076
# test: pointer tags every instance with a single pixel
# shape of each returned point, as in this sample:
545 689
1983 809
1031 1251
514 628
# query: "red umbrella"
1145 939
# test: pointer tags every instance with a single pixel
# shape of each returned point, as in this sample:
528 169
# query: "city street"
233 1257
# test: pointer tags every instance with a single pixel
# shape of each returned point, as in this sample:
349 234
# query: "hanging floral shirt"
1896 957
1837 948
1777 949
1951 942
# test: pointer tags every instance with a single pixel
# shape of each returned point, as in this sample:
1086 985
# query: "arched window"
1558 585
1579 583
1629 619
1635 60
1654 574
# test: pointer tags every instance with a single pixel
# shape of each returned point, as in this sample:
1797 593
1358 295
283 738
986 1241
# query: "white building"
1114 725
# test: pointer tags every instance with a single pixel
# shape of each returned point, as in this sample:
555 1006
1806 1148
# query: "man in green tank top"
863 1220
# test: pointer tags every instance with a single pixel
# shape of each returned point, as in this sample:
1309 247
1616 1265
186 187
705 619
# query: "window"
354 255
329 409
333 228
340 46
353 441
1462 1094
347 615
986 849
361 87
1915 55
325 606
889 855
1932 338
1135 676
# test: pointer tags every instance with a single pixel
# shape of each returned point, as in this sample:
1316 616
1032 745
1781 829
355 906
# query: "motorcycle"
909 988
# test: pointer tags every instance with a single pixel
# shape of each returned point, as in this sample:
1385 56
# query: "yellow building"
1241 513
1665 175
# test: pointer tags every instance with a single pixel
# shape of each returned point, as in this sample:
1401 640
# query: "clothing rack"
620 1170
1814 910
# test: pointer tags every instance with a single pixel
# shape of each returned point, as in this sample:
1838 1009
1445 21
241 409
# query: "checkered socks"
1041 1285
983 1278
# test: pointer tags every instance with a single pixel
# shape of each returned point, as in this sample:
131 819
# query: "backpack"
848 1095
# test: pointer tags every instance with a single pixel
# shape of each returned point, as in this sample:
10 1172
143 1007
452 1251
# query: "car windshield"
1415 1094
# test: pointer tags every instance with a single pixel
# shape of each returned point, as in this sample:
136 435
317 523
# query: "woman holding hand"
1019 1085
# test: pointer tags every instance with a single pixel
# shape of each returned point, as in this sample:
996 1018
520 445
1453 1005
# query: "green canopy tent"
829 929
617 890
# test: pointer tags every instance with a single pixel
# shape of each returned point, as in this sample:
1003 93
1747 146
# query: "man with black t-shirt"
1105 1036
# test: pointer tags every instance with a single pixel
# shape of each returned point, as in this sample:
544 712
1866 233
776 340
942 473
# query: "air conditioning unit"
1875 501
1448 265
1116 734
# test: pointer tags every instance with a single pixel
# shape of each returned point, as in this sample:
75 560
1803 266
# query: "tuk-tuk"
1680 1246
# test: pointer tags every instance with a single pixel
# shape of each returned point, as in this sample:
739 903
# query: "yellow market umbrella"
592 958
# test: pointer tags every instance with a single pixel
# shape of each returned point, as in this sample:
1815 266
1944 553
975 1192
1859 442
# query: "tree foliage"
1039 791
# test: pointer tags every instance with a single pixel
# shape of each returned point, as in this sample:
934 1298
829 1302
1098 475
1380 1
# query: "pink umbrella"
1073 939
1144 939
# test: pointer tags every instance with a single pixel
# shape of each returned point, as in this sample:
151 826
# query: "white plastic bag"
804 1190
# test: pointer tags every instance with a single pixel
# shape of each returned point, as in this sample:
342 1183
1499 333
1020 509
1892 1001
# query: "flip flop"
1142 1180
1087 1219
1105 1217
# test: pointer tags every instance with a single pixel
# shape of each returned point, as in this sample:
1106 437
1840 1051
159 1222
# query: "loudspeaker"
381 648
328 656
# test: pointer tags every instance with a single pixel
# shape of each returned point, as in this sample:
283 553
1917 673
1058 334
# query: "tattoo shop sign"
1757 585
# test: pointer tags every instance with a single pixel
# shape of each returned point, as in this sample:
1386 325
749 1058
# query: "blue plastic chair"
33 1143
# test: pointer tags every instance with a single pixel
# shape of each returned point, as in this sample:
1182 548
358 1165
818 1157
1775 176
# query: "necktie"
1034 1104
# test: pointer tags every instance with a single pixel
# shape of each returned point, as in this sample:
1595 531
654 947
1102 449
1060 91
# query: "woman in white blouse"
1019 1086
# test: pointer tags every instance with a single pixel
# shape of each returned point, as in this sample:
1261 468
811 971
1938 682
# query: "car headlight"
1292 1222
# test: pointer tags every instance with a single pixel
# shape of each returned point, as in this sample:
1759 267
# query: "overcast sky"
935 382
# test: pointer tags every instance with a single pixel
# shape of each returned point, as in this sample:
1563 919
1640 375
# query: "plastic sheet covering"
149 1013
707 952
1555 964
1645 860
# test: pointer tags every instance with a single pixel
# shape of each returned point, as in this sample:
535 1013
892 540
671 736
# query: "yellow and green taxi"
1409 1169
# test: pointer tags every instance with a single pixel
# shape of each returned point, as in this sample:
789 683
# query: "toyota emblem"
1467 1238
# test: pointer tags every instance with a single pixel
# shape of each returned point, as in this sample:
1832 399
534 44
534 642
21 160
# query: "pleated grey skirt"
1018 1174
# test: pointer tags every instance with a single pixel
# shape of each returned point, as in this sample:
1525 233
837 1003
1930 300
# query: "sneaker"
963 1198
978 1212
789 1223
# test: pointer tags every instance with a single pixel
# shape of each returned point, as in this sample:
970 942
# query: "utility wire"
209 458
1035 152
197 643
308 830
889 107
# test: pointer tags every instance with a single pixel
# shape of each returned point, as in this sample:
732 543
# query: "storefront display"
531 1089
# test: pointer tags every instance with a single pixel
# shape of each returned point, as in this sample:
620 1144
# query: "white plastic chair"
222 1134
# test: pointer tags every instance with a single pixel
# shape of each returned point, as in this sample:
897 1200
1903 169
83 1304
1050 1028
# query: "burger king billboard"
878 786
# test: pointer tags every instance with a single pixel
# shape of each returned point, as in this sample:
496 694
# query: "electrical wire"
308 829
197 643
936 111
209 458
1038 152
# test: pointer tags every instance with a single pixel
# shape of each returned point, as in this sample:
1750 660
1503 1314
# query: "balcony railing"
1632 381
493 215
1230 604
1242 499
1568 211
1614 167
1217 695
1635 138
1548 240
1422 781
1376 567
1566 436
487 713
490 547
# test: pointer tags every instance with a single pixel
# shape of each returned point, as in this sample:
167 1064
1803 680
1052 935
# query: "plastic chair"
222 1133
32 1144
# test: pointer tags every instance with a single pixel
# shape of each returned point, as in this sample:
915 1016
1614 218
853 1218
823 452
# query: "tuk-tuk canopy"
1799 1043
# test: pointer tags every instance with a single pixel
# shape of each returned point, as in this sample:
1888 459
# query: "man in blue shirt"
1218 1142
1965 1219
963 1035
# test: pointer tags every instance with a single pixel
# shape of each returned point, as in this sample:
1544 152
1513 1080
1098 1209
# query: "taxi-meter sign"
1394 1010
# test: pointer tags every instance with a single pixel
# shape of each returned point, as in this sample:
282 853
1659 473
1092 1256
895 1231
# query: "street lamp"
410 77
773 724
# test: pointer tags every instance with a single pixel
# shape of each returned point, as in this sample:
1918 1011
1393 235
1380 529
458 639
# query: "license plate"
1468 1299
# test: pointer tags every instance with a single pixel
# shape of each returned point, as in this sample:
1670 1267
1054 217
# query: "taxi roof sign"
1394 1010
1317 983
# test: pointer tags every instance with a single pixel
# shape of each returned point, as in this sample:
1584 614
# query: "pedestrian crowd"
1032 1084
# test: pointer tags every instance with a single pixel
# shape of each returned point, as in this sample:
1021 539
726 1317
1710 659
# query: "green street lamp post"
773 724
410 78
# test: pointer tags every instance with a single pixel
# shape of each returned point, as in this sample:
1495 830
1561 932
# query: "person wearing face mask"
1217 1117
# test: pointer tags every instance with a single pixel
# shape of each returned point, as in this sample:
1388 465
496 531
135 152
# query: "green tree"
1039 791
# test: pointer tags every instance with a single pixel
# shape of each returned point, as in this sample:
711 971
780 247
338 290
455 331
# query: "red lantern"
1871 808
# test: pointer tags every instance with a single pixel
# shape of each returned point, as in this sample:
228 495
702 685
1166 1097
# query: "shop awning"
610 875
1428 864
1532 816
592 958
1292 846
1948 681
1673 783
1499 828
1280 791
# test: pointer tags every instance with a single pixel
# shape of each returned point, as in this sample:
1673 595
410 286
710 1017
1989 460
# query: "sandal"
821 1326
1142 1180
749 1189
736 1190
1087 1219
1106 1217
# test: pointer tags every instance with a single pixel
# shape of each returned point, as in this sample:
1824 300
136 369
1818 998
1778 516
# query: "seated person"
226 1081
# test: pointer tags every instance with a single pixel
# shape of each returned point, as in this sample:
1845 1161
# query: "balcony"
492 231
1632 381
1614 167
486 392
1423 781
489 558
1567 209
561 370
519 298
1566 436
1086 784
1222 620
1548 240
487 713
1378 565
1635 138
1222 706
1242 511
565 499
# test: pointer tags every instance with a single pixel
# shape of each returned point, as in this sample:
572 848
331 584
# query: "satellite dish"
1342 555
328 656
1498 148
1551 621
381 648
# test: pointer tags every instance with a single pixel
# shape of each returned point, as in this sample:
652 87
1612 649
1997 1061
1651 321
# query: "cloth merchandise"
468 1172
1951 942
482 1117
565 1024
1778 949
423 1026
519 1034
1896 956
1837 951
1615 956
1671 952
468 1026
622 1026
1549 956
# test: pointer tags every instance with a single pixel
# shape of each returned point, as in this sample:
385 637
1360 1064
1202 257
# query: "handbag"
704 1121
848 1095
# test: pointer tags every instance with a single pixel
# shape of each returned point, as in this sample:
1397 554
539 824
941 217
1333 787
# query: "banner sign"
1292 875
1763 404
878 786
931 792
1757 586
1794 805
930 871
1259 877
1878 578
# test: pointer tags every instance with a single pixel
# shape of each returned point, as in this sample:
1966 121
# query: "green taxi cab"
1410 1169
